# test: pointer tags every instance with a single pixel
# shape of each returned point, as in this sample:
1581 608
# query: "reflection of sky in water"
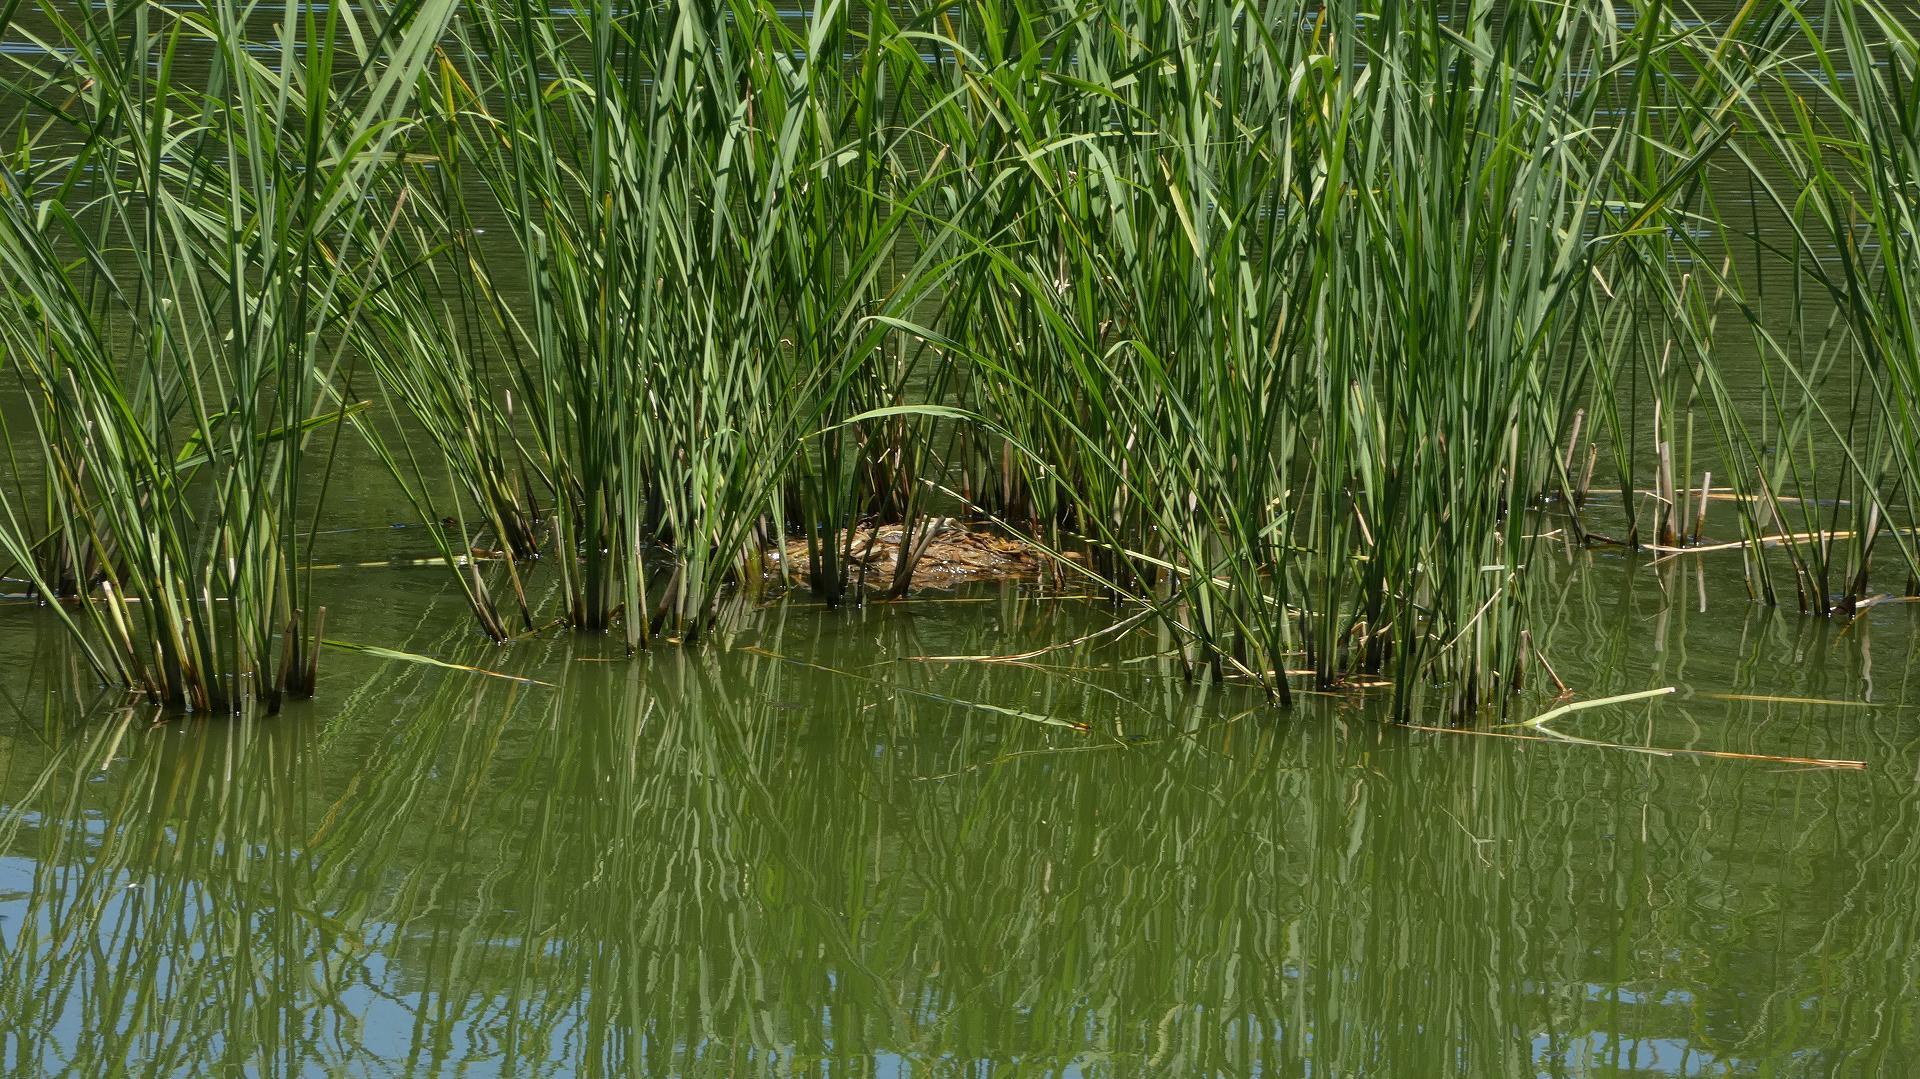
1661 1056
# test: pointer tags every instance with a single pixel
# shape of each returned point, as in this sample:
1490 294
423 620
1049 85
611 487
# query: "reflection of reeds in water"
164 905
745 864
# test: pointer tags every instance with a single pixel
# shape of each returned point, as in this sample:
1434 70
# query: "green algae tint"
815 854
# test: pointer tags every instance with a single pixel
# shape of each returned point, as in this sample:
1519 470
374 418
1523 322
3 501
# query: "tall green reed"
182 240
1274 299
706 206
1833 152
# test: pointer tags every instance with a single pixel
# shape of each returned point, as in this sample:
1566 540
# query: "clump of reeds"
181 235
700 249
1290 354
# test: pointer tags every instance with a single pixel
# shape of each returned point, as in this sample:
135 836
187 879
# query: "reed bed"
1290 327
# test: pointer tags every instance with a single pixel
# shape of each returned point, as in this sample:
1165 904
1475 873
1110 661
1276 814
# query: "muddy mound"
944 552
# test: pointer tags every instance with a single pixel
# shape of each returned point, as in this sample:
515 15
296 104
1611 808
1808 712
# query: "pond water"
823 849
816 852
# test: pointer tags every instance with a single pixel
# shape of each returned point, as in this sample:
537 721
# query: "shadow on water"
813 854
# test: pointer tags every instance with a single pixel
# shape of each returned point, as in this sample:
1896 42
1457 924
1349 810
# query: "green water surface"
815 853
